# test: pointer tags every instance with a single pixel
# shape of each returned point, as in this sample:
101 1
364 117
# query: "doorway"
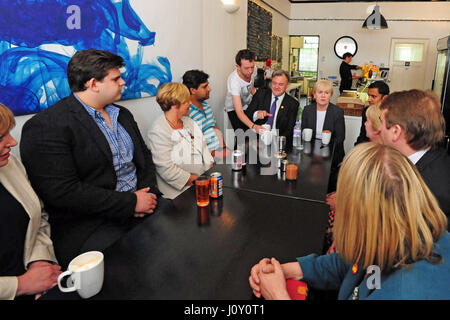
408 61
304 63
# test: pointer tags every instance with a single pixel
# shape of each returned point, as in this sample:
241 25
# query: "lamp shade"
230 6
375 21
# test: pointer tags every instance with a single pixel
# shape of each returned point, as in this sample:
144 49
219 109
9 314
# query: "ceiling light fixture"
230 6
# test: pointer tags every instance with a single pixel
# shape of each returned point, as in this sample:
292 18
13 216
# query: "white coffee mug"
307 134
86 274
326 137
266 137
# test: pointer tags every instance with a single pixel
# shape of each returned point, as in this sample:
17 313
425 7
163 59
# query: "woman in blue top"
390 235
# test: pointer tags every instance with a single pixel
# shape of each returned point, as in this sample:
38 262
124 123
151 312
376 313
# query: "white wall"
333 20
194 34
200 34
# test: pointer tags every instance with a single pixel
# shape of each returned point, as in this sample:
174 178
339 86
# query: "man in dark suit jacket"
87 160
275 107
412 123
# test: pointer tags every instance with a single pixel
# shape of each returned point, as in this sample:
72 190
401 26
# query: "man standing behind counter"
346 73
87 160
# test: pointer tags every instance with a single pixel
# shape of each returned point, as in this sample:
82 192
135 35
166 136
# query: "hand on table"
258 129
268 279
146 202
40 277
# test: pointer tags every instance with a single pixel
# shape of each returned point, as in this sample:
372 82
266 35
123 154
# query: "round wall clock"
345 44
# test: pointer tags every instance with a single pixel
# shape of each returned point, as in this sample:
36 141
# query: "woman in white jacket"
28 264
178 146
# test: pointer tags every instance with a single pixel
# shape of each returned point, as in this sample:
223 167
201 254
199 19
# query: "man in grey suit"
87 160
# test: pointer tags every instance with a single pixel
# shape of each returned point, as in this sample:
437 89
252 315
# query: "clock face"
345 44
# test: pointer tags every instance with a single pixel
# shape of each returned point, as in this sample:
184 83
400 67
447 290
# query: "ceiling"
317 1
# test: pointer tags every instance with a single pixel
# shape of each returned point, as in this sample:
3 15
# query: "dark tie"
272 112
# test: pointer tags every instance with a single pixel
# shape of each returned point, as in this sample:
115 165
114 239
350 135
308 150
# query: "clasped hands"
268 278
146 202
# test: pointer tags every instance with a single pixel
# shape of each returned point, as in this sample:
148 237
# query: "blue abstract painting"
38 38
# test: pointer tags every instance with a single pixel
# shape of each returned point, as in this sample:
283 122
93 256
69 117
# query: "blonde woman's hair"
172 94
374 113
7 120
323 84
385 213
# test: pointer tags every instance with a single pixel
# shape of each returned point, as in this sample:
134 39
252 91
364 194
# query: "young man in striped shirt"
201 112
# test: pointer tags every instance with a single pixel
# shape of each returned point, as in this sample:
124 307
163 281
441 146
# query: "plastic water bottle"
297 138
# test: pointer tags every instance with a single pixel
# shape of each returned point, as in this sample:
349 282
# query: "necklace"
173 125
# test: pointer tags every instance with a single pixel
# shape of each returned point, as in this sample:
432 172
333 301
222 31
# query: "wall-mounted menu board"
259 31
277 46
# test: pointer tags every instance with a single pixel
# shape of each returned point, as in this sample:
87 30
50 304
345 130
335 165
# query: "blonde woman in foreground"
388 222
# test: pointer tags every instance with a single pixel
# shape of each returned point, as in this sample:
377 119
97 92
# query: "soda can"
236 164
216 184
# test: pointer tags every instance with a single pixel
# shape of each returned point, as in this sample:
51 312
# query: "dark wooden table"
186 252
263 175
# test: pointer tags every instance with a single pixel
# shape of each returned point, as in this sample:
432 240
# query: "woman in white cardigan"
178 147
28 264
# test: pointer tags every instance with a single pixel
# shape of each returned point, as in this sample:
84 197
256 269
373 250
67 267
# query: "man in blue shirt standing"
87 160
201 112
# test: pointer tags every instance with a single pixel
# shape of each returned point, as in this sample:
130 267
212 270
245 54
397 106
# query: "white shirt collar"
415 157
280 98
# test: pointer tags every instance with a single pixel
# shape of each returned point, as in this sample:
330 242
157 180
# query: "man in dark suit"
87 160
275 107
412 123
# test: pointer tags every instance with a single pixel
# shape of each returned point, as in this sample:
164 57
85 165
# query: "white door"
408 61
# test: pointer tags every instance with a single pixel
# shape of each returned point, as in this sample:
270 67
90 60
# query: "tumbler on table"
202 190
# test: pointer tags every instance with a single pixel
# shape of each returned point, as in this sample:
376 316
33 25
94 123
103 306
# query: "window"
408 52
305 54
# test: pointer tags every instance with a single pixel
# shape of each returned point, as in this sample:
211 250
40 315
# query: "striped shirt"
205 120
121 145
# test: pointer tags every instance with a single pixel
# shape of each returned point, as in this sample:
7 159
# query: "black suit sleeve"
256 104
47 151
362 132
339 125
288 131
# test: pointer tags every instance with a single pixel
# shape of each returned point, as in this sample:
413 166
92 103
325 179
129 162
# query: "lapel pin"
355 268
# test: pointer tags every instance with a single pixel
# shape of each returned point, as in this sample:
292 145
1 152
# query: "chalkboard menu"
276 48
259 31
